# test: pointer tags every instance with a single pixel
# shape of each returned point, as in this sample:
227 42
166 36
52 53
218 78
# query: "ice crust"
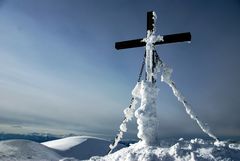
146 114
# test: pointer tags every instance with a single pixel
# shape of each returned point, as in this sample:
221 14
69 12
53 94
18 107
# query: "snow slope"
24 150
180 150
80 147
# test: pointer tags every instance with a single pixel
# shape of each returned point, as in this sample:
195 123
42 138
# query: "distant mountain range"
37 137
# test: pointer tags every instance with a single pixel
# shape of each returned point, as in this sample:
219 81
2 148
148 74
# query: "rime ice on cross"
146 114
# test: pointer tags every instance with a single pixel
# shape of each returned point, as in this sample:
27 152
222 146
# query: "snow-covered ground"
70 148
178 150
24 150
84 147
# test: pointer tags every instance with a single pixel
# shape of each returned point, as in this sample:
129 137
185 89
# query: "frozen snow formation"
146 114
176 150
166 77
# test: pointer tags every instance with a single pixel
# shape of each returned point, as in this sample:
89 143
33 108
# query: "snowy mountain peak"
25 150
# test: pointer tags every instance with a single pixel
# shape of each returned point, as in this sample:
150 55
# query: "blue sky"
59 69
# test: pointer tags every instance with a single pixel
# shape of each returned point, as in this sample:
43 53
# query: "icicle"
166 77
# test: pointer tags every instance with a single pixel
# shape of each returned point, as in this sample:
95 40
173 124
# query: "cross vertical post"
150 54
146 114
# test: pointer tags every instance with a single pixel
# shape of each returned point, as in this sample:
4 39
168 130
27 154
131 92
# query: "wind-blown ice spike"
166 77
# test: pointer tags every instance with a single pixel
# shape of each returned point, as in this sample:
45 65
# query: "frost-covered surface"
147 92
166 77
150 40
24 150
176 150
80 147
146 114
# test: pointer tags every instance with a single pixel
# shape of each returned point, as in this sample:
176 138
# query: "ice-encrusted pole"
146 114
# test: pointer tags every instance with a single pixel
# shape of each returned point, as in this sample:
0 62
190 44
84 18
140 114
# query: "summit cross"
146 90
146 114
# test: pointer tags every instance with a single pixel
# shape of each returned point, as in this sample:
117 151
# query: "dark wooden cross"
179 37
150 41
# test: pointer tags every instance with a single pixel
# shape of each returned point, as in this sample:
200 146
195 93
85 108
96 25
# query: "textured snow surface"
177 150
24 150
166 150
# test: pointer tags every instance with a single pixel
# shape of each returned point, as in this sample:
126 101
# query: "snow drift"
177 150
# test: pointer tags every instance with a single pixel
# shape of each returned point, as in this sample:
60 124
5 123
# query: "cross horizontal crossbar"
174 38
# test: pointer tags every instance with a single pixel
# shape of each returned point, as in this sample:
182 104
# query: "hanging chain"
116 140
142 67
157 57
